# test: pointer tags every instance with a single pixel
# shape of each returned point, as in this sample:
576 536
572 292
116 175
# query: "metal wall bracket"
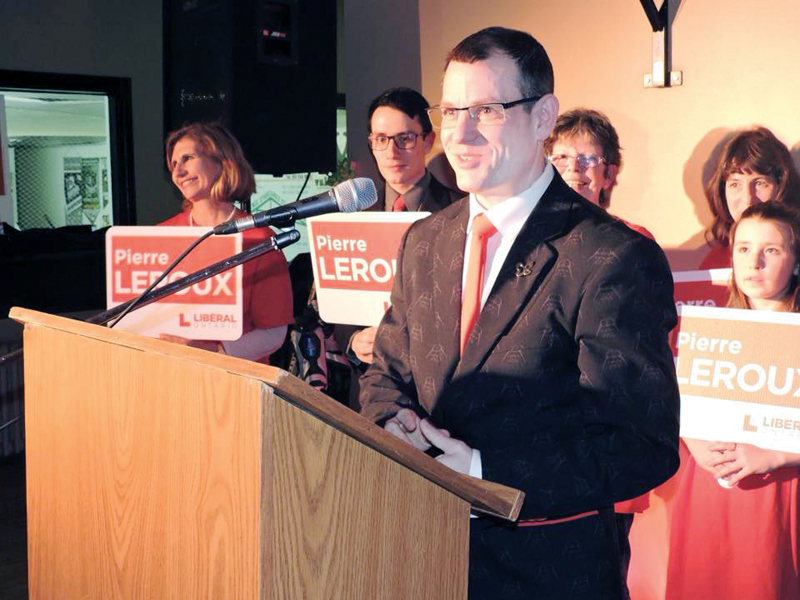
661 21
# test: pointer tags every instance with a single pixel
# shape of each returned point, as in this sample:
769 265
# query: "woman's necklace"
228 218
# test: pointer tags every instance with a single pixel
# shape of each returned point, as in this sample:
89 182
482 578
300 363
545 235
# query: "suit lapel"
447 268
528 262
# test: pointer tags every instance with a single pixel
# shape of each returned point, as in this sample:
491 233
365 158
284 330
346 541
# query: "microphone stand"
277 242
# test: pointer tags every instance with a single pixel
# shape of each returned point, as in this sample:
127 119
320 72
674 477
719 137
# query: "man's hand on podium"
455 453
406 425
422 434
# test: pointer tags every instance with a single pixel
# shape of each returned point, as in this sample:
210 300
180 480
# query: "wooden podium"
161 471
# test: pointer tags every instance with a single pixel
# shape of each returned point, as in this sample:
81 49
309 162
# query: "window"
67 147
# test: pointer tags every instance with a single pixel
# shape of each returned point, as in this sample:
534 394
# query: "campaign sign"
208 310
739 376
354 257
699 288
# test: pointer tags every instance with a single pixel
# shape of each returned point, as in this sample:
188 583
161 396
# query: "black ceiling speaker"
266 70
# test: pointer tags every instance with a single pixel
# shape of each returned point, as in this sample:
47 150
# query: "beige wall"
739 60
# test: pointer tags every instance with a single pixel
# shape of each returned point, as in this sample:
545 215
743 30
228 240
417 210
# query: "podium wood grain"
162 471
134 489
342 517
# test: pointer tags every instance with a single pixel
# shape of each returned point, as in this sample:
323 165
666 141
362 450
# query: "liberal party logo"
748 424
774 425
206 320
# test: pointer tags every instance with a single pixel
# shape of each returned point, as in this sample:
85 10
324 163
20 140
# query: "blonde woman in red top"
209 168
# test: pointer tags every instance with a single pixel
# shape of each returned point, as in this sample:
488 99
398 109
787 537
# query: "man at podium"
528 328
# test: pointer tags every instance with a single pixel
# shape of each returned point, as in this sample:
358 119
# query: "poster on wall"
90 194
277 191
6 208
73 184
86 190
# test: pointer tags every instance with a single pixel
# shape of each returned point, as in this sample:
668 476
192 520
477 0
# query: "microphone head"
356 194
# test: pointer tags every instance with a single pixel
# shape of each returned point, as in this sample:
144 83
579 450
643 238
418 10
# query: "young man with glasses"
400 137
532 328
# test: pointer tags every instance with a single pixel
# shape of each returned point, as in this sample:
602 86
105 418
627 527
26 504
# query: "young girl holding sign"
735 532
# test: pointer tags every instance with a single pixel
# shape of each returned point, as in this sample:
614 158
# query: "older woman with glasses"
584 148
209 169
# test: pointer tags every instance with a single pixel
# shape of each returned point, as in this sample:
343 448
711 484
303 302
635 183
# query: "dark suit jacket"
567 384
435 196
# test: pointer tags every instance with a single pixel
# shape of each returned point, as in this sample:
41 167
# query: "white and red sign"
739 376
699 288
354 257
208 310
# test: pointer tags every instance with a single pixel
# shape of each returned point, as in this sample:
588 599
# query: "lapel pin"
523 270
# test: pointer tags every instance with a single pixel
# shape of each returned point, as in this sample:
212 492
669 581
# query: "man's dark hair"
536 72
406 100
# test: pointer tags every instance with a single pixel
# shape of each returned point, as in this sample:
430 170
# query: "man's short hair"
535 69
594 125
407 101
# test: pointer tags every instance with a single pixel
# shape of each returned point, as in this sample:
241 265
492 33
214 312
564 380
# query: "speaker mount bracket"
661 20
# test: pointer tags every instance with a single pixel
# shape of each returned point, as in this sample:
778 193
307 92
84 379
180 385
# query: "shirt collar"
510 215
413 197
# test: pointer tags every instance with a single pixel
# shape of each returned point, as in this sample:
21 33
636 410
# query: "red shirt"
718 257
267 290
639 229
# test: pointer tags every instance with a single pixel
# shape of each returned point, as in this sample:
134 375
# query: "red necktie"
482 230
399 204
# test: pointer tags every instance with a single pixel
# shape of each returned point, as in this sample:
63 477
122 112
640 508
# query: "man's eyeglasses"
404 141
492 113
584 161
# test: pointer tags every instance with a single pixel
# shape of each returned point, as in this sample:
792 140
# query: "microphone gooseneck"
352 195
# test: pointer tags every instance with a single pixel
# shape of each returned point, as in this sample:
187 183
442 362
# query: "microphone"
352 195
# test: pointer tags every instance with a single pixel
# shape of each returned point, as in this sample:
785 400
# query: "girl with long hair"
735 532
